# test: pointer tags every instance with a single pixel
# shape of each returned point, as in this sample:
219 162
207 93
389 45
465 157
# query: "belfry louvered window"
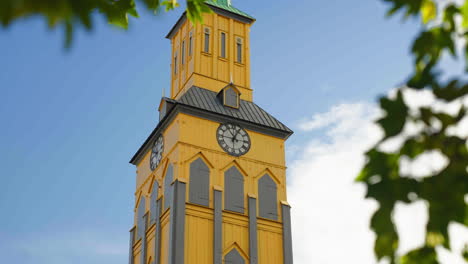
239 50
168 186
175 63
223 45
199 183
234 190
153 201
182 52
140 217
207 40
190 47
267 198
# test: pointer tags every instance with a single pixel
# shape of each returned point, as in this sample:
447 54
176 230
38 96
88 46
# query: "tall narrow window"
140 217
175 63
223 45
183 52
239 50
190 44
168 186
153 202
207 40
267 198
234 190
199 183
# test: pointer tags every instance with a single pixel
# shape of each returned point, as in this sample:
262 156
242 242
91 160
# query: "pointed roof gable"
227 6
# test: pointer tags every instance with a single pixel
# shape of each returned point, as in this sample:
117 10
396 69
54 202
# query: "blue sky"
71 120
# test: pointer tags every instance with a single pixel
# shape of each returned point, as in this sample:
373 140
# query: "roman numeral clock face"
156 153
233 139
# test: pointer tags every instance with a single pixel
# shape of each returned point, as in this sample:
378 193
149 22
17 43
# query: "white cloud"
425 165
330 215
340 117
410 220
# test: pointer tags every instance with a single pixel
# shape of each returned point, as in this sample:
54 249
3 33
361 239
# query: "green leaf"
68 33
451 91
425 255
152 4
133 12
428 11
408 7
464 13
386 241
170 4
195 10
395 118
465 252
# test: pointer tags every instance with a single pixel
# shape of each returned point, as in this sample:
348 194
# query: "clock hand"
235 136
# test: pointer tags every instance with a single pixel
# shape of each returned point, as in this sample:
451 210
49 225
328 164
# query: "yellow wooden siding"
150 242
164 238
270 242
137 258
235 230
202 133
198 235
209 70
266 155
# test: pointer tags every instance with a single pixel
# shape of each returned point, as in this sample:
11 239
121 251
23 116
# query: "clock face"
156 152
233 139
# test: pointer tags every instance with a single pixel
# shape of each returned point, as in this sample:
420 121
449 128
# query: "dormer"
165 106
230 96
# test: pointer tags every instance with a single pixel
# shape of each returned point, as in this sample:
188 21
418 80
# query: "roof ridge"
197 97
227 5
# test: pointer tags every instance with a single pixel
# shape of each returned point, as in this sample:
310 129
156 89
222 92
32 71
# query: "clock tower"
211 176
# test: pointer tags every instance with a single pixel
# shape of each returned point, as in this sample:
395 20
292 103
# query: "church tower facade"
211 177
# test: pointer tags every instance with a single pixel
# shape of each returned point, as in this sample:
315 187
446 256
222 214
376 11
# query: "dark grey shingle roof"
248 111
206 100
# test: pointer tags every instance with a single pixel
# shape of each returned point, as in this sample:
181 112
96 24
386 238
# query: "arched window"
234 190
267 198
168 186
199 183
153 201
231 98
140 217
233 257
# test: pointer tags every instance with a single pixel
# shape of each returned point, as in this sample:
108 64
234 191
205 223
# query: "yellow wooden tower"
211 177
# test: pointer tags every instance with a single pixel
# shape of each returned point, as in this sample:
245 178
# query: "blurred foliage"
444 32
72 13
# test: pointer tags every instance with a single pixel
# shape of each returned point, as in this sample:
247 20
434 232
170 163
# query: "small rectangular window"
223 45
190 44
175 63
207 40
183 52
239 50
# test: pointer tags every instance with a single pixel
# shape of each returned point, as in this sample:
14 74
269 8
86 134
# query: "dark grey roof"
205 103
248 111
